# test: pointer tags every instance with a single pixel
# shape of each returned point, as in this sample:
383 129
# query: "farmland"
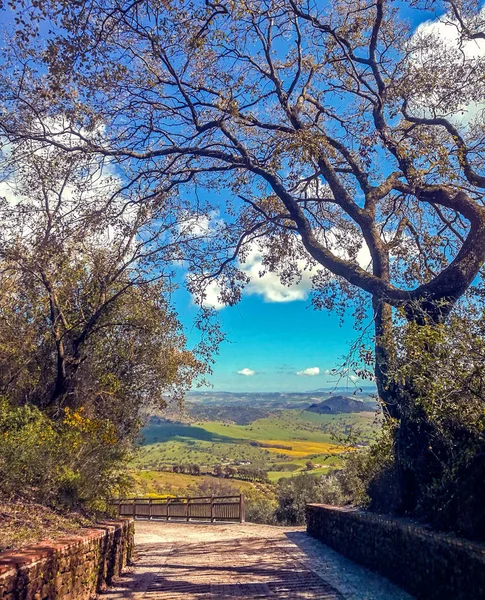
159 483
280 441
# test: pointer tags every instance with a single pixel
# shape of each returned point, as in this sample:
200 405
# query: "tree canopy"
333 123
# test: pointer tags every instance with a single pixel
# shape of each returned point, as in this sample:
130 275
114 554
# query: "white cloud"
309 372
268 284
200 225
447 47
447 30
246 372
211 298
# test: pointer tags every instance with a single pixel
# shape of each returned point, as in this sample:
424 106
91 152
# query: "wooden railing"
207 508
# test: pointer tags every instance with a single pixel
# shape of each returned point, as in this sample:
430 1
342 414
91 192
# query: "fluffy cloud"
246 372
199 226
268 284
309 372
212 292
446 31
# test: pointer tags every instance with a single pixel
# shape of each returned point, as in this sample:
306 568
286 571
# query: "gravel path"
193 561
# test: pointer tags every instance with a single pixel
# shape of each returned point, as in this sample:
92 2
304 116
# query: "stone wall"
73 568
427 564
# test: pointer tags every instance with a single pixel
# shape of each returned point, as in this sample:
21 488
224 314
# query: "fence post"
134 507
119 507
168 508
242 509
188 509
212 509
150 509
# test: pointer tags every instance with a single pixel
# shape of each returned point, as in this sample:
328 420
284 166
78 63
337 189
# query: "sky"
274 346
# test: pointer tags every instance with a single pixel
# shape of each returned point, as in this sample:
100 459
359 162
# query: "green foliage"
364 476
88 339
295 493
261 505
73 461
439 441
428 461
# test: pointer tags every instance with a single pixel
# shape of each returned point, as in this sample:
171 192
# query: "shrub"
429 462
439 441
71 462
261 505
295 493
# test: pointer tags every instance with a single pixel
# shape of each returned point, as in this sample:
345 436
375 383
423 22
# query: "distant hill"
341 404
361 389
241 414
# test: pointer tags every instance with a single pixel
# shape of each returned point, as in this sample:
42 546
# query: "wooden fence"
207 508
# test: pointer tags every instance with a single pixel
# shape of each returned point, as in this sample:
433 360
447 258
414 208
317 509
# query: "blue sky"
275 340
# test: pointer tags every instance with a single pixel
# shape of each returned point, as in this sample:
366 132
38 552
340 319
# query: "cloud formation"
268 285
246 372
309 372
446 32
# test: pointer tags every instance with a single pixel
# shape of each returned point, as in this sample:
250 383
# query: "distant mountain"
341 404
362 389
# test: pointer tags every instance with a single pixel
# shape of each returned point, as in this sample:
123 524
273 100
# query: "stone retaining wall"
425 563
73 568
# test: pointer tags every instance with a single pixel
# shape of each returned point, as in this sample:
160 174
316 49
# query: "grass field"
159 484
303 448
309 437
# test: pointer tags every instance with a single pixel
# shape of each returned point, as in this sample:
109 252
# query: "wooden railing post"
212 509
150 509
168 508
134 507
119 507
242 509
188 509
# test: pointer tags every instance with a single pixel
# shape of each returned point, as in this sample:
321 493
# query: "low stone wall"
73 568
427 564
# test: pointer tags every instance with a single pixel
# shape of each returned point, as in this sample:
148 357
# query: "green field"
307 436
157 483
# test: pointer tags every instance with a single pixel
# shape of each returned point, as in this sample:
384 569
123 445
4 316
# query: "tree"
331 129
86 321
294 493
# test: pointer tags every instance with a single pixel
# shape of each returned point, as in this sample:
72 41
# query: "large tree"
328 127
85 313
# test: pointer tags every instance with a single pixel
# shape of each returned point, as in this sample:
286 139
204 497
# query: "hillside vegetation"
283 443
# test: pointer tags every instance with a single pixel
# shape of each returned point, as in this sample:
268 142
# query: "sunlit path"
187 561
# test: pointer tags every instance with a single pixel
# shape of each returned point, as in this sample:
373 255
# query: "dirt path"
190 561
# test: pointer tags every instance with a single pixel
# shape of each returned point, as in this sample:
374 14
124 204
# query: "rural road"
220 561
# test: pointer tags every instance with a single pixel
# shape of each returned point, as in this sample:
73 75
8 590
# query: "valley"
258 438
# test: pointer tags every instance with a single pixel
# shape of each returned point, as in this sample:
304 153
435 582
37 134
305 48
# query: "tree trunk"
414 464
385 355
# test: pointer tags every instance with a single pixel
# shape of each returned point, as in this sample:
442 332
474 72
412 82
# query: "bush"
261 505
295 493
68 463
439 441
429 463
367 477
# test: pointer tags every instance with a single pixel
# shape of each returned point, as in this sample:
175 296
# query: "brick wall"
73 568
427 564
